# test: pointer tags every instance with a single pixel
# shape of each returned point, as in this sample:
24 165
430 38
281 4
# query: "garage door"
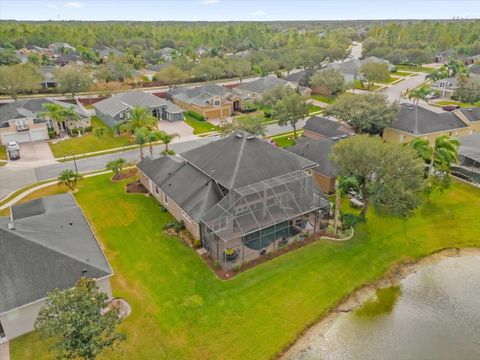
38 135
18 137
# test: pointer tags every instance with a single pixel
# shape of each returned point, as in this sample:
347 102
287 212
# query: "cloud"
73 5
209 2
259 13
52 6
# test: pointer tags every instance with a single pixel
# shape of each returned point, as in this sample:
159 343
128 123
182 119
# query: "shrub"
163 208
350 220
168 226
196 116
88 129
52 134
196 244
237 268
218 264
178 226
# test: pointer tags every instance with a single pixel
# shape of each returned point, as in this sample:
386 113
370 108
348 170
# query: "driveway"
37 151
394 92
177 127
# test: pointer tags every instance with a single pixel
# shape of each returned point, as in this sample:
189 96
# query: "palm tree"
416 95
167 139
54 112
140 137
344 184
69 178
441 73
151 137
70 114
139 118
116 166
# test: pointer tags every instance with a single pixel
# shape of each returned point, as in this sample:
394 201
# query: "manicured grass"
314 108
360 86
391 80
414 68
284 141
3 152
452 102
401 73
200 127
182 311
90 142
324 98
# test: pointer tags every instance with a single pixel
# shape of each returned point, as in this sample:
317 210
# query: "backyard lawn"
324 98
90 142
182 311
199 127
3 152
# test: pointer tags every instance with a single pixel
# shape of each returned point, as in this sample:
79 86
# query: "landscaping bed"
136 187
125 174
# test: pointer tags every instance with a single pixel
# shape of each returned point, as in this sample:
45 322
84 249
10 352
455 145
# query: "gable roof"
317 151
241 159
202 95
472 114
470 147
329 128
49 248
122 101
263 84
474 69
32 108
423 121
297 77
187 186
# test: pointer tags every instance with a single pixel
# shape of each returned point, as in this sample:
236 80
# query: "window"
216 102
121 115
157 190
165 198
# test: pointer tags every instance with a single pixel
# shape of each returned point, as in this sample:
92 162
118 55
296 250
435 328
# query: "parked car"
431 96
13 150
450 107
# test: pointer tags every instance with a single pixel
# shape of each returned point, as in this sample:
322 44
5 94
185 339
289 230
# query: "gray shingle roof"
49 248
425 121
470 147
449 83
317 151
126 100
263 84
31 108
326 127
474 69
472 114
297 77
187 186
202 95
240 159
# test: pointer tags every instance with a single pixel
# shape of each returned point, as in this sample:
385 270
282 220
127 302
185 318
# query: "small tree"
167 139
251 124
69 178
328 82
72 80
374 72
139 118
116 166
76 320
171 75
290 110
100 131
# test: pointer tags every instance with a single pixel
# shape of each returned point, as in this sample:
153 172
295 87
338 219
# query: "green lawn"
324 98
391 80
90 142
452 102
414 68
182 311
360 86
314 108
3 152
401 73
199 127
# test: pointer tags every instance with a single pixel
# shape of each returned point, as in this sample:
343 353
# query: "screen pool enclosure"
256 219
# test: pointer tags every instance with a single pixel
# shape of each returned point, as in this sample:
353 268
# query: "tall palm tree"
70 114
167 139
151 137
438 156
140 117
54 112
416 95
140 139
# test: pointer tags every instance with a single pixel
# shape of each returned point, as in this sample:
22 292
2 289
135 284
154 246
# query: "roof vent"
11 225
239 136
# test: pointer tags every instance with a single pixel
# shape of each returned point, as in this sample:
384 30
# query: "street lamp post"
75 163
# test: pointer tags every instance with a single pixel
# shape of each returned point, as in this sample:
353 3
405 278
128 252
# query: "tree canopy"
19 78
328 82
73 79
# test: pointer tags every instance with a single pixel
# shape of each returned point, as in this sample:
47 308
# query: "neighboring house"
298 77
318 151
71 58
46 244
211 100
469 153
412 122
48 76
104 52
471 116
24 120
255 89
167 54
318 127
446 87
444 56
239 193
22 56
58 47
350 69
151 70
116 109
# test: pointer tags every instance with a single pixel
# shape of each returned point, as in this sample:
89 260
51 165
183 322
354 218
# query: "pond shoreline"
358 297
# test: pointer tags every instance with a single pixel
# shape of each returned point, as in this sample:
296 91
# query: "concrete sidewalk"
5 351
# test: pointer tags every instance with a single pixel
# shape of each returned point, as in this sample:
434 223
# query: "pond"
433 314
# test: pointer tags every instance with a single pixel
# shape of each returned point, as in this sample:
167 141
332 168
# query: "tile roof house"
46 244
413 121
318 127
24 120
116 109
256 88
239 192
212 101
318 151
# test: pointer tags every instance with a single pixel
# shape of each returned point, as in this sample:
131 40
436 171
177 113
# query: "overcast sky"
224 10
